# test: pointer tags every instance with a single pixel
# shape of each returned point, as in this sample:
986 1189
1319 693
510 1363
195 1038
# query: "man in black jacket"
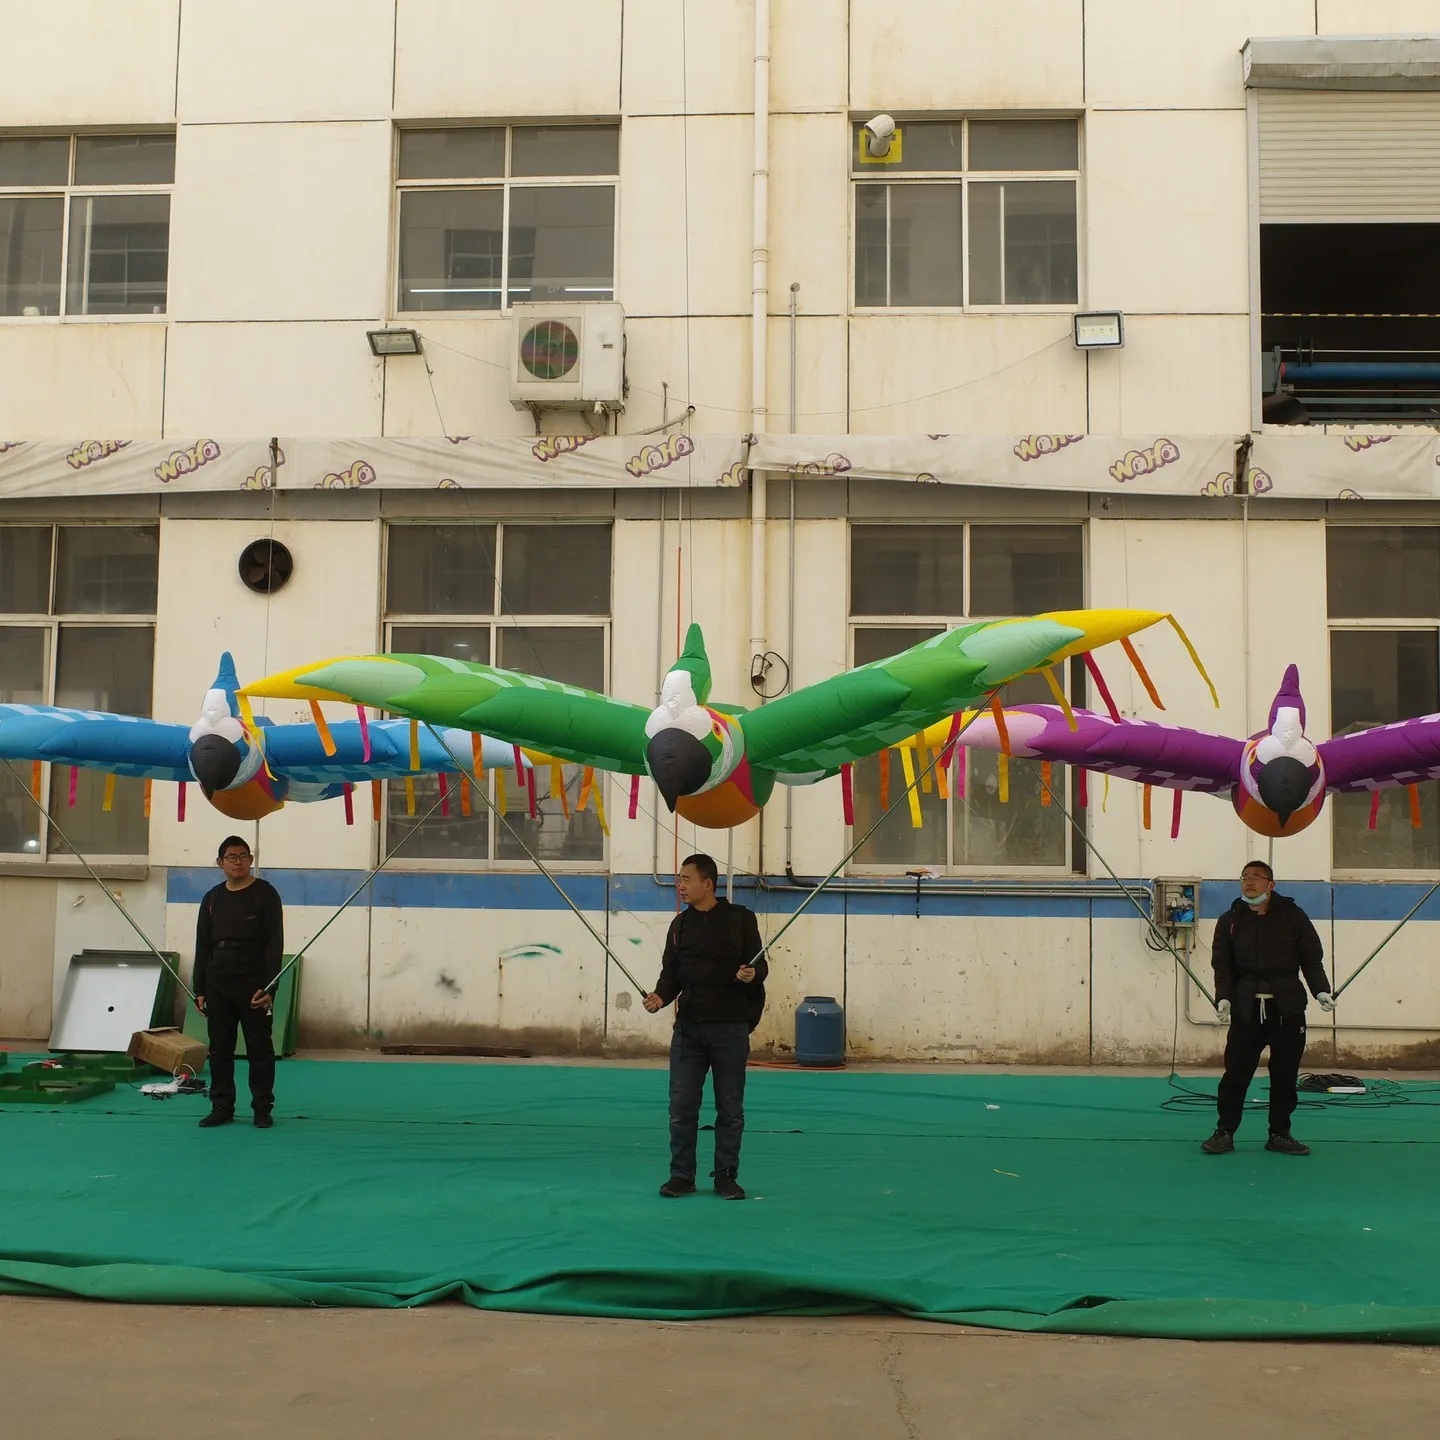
239 944
1262 944
714 968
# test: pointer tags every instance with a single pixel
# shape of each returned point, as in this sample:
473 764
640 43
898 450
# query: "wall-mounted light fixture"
393 342
1100 330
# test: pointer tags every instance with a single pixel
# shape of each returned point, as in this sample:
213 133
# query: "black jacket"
239 935
1264 954
703 950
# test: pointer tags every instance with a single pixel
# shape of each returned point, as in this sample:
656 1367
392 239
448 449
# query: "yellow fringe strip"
1045 776
415 745
1060 697
108 803
1003 764
907 764
1195 656
600 809
1145 809
149 785
1105 797
35 772
587 783
409 796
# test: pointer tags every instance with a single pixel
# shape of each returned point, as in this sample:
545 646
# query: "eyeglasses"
238 855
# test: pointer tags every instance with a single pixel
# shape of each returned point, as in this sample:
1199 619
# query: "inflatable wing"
95 740
716 765
1384 757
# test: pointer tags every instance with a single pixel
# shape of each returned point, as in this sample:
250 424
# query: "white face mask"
1259 899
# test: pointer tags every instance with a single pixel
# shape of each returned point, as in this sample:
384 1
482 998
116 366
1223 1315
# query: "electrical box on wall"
568 357
1176 903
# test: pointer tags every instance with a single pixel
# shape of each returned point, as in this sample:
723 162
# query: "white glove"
1326 1002
1222 1009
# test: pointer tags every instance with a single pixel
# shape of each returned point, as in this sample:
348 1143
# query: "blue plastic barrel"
819 1032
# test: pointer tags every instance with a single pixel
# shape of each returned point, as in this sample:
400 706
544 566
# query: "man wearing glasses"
1262 944
239 942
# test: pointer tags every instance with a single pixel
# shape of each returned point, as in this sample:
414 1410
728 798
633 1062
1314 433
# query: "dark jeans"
227 1010
1286 1039
722 1049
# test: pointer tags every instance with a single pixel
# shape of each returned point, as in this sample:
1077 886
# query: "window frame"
495 621
1076 864
70 191
53 623
1429 625
964 177
505 184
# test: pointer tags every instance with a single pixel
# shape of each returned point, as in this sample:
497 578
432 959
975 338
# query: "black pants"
721 1049
1285 1035
228 1010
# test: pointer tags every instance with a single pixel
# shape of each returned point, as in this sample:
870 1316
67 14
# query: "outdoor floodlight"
393 342
1099 330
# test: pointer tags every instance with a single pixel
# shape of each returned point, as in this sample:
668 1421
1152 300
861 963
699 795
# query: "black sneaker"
1220 1143
217 1117
726 1187
676 1186
1286 1144
263 1120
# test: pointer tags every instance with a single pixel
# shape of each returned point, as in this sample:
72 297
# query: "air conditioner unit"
568 357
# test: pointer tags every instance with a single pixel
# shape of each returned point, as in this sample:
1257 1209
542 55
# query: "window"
85 224
968 212
77 629
523 597
909 582
1383 583
492 215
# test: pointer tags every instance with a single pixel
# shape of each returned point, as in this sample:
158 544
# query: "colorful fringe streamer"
444 783
349 803
847 793
1002 765
1195 656
519 766
180 804
1145 809
1084 788
74 787
1374 809
600 809
912 793
149 788
327 740
465 797
409 795
634 796
1141 672
1000 727
1175 815
530 803
1045 776
1414 806
415 745
108 803
364 734
477 755
587 783
1060 697
375 799
1094 672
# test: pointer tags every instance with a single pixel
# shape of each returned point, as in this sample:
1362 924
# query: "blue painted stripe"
1378 901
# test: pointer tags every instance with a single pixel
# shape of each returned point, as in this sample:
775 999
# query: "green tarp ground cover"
1026 1202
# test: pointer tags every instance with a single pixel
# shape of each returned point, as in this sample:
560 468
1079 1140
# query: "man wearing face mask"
1262 944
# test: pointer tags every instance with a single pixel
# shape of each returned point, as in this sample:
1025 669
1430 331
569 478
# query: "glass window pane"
1026 569
119 254
41 160
1383 572
22 682
107 570
575 656
562 243
987 244
1022 829
30 250
99 667
125 160
469 153
923 145
907 570
556 570
1024 145
1041 267
896 842
872 283
565 150
926 239
25 569
450 249
455 836
454 642
440 570
1376 678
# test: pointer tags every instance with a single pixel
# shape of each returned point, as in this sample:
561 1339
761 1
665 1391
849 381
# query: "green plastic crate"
41 1084
287 1015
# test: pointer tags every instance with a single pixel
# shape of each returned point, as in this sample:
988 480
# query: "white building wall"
282 255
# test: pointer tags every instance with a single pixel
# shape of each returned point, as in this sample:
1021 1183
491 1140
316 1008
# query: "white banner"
39 468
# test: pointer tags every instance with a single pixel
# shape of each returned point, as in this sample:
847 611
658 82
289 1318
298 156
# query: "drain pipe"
790 591
760 304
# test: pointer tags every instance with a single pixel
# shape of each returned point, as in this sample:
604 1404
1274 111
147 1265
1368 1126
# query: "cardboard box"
169 1049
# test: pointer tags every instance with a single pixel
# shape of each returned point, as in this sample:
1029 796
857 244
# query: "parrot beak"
215 762
1283 784
678 763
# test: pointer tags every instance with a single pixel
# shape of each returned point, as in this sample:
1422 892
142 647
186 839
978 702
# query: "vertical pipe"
794 350
790 589
760 299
